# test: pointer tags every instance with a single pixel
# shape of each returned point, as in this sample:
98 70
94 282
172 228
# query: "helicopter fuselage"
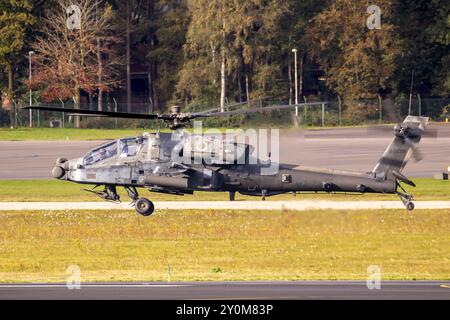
157 163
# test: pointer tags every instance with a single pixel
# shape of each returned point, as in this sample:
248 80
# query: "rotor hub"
175 109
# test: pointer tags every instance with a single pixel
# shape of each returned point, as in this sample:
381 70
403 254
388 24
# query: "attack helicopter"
162 162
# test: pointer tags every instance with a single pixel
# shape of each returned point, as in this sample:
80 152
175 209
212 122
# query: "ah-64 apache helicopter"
147 162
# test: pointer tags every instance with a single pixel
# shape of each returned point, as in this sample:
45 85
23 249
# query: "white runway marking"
226 205
39 286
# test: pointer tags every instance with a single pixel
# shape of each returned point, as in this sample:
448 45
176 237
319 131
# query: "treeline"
200 53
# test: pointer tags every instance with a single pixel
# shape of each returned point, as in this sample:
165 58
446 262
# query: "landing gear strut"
406 198
263 195
132 193
142 206
108 194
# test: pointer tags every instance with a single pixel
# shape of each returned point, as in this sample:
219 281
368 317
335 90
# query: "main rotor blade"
388 129
109 114
255 110
416 153
237 104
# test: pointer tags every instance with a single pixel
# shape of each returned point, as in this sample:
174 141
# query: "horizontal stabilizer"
400 177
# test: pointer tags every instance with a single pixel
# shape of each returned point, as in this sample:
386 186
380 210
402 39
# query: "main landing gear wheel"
406 198
409 206
144 207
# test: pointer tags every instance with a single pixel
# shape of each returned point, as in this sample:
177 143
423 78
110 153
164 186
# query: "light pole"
410 93
30 55
296 80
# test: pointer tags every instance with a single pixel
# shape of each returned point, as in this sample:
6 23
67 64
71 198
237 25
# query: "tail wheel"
144 207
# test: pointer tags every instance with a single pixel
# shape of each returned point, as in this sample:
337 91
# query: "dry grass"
224 245
39 190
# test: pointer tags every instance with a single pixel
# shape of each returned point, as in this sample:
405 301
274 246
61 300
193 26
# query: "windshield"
101 153
130 147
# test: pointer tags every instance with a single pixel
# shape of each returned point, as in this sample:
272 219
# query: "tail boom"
407 136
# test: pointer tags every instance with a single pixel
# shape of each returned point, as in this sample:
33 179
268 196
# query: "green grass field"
23 134
55 190
48 134
224 245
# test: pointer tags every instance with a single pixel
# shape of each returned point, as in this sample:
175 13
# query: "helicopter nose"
59 171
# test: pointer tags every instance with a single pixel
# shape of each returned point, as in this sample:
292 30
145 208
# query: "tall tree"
232 38
99 60
258 41
424 28
128 52
294 24
210 35
67 58
158 40
205 41
358 61
15 17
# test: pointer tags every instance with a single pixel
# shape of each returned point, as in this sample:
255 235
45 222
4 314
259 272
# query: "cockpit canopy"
130 147
101 153
122 148
162 148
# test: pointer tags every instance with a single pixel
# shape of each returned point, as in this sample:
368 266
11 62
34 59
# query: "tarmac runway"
355 149
267 290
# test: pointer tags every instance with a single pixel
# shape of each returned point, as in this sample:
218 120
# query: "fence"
333 112
18 117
